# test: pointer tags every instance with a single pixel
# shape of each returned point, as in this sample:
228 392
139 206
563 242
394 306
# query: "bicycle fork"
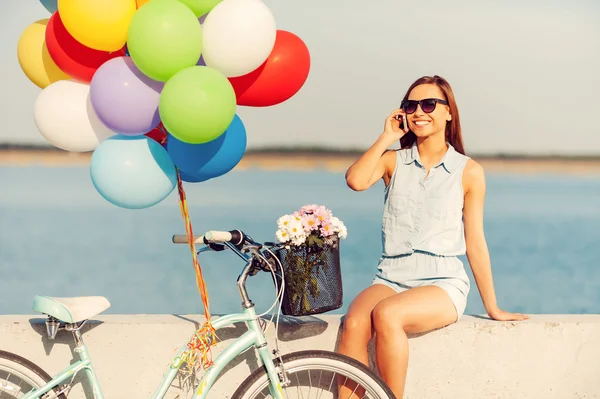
281 373
276 374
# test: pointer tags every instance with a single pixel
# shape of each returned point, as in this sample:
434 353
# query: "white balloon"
64 115
238 36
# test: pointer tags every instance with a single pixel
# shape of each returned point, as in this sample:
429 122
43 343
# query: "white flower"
343 231
339 227
284 221
282 235
295 228
290 229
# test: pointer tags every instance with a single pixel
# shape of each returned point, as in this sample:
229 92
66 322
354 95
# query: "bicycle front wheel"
18 376
316 374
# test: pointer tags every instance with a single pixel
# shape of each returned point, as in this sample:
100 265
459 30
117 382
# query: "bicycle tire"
20 366
329 361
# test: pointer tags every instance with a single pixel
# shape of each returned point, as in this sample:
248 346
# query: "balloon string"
163 140
199 346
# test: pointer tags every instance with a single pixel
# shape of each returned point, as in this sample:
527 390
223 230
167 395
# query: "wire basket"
313 278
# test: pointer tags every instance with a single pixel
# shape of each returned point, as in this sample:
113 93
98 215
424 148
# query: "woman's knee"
357 325
387 317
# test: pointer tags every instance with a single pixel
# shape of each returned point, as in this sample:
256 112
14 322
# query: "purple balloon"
125 99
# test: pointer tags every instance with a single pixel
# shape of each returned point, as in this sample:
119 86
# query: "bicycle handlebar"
246 248
183 239
235 237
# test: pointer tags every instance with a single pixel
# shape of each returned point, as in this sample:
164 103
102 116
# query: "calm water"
58 237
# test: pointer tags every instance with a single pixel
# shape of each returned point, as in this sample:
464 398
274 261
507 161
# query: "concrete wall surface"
547 357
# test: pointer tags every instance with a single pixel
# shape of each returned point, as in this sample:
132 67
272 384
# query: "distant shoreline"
310 151
307 159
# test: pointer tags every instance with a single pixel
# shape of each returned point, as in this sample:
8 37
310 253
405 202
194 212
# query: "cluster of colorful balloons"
152 86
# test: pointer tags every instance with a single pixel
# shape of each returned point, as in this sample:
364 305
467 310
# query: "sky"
526 74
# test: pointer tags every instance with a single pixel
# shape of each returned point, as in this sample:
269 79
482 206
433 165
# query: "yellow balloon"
34 58
100 25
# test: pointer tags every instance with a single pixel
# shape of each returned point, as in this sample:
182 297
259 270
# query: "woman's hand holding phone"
395 125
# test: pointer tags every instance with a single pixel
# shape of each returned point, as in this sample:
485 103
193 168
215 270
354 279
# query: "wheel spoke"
313 377
18 377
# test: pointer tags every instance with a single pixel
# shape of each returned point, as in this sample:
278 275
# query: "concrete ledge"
547 357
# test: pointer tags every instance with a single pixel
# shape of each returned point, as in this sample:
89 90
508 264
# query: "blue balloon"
212 159
50 5
190 178
132 172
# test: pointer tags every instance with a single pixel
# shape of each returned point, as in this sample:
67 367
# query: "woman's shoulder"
473 168
474 174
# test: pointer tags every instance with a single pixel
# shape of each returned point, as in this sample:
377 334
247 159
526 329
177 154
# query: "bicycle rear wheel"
18 376
315 374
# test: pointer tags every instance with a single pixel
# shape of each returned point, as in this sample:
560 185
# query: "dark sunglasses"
427 105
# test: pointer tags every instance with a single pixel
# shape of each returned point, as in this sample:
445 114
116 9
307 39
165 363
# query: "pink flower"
308 209
323 214
327 229
310 223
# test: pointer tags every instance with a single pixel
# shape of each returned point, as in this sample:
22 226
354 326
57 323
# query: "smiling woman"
433 213
431 119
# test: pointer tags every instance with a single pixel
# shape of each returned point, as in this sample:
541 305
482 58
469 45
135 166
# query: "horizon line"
324 150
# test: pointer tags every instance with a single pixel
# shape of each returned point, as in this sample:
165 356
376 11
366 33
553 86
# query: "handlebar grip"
236 237
218 236
183 239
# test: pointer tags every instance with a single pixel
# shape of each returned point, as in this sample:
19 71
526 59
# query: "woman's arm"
477 250
371 166
377 161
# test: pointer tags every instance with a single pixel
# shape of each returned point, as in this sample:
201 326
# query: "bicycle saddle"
70 310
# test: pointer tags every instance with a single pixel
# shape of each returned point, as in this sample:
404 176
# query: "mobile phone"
402 122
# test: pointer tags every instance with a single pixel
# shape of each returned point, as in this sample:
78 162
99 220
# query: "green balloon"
200 7
197 104
164 37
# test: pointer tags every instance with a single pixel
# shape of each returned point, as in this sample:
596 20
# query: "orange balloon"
141 2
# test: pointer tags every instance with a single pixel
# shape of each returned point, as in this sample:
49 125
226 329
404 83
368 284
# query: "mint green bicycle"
297 375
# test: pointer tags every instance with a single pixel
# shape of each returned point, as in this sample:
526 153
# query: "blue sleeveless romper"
422 227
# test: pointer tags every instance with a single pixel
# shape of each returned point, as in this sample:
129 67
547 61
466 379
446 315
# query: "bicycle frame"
254 337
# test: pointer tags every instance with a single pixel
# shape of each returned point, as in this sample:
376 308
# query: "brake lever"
216 247
211 247
203 249
251 241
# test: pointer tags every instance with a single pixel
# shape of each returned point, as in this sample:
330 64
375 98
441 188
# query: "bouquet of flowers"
310 258
311 224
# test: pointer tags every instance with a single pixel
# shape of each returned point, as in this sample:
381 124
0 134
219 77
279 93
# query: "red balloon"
73 58
158 134
279 77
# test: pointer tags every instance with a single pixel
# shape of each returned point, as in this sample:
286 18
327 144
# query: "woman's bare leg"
416 310
358 330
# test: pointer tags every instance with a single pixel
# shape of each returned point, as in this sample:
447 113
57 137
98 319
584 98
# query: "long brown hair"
453 131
